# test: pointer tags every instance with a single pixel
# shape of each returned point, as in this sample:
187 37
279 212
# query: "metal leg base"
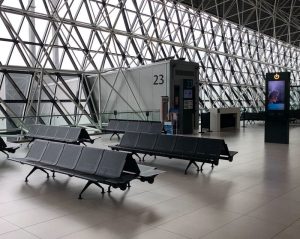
113 135
32 170
5 153
190 163
86 187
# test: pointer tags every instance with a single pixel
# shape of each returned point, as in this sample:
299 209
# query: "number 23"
159 80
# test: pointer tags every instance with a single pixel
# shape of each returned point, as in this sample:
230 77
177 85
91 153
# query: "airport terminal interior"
126 119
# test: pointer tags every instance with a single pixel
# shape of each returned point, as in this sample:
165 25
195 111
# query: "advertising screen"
276 90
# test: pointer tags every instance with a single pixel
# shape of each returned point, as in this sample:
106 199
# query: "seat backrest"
84 135
156 128
122 125
224 150
37 150
144 127
208 147
51 132
52 153
2 143
164 143
61 132
33 129
73 134
185 145
42 131
129 139
69 156
132 126
112 124
112 164
89 160
146 141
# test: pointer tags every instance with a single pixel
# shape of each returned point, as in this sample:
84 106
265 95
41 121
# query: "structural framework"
49 48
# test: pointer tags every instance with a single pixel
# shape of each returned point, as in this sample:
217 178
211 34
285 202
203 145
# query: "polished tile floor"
255 196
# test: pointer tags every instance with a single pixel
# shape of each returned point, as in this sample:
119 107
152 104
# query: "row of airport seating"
193 149
74 135
119 126
97 166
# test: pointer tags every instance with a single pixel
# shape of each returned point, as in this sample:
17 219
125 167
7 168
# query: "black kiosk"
277 107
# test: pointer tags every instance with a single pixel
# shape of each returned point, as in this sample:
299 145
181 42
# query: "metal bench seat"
193 149
98 166
75 135
121 126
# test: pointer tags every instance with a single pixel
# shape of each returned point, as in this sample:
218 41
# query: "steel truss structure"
50 47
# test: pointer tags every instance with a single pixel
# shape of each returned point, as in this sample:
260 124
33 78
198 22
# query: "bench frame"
225 154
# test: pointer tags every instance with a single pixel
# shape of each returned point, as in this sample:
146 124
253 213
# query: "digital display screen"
188 94
276 95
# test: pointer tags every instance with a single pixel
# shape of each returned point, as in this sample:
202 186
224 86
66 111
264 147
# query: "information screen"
276 95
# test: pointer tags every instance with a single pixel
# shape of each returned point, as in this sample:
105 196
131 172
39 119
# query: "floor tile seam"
31 233
82 229
174 233
284 229
91 226
3 234
217 228
270 201
179 234
43 221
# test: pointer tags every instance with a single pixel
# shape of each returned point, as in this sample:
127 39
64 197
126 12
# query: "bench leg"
144 157
128 184
85 188
87 185
53 174
30 142
202 167
113 135
138 157
102 189
109 189
5 153
190 163
32 170
212 166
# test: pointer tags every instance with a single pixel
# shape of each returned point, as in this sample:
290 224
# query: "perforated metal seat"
112 164
146 141
144 127
52 153
73 134
69 156
165 143
129 139
89 160
185 145
132 126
